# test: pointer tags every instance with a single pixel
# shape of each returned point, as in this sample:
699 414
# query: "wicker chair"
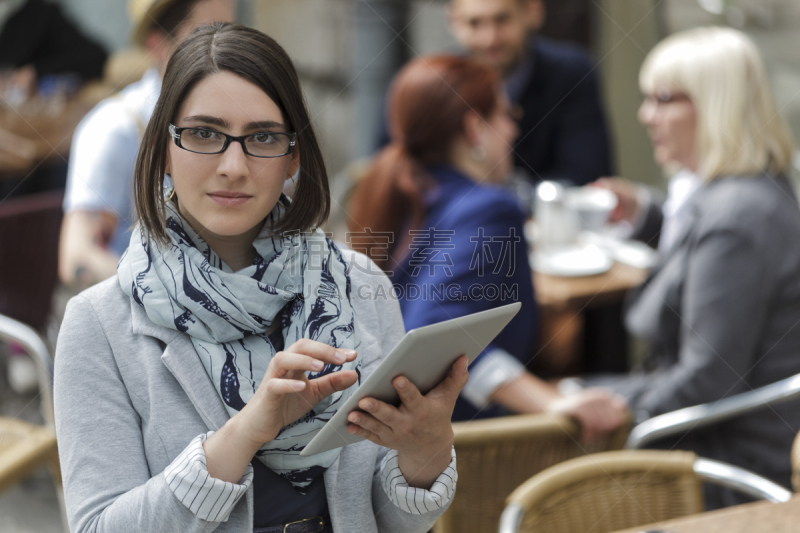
624 489
496 455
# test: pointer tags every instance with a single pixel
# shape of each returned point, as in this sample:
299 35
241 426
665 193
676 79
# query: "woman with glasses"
187 385
720 310
457 244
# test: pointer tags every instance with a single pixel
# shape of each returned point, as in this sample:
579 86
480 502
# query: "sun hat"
144 14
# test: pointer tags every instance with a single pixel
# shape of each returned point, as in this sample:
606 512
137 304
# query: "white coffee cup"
592 205
557 223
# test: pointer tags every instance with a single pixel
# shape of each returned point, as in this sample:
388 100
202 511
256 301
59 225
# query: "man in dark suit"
563 133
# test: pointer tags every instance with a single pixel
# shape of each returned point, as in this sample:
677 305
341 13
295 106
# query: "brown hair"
427 104
257 58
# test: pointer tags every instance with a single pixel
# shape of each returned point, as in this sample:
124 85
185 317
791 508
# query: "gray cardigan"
131 395
721 312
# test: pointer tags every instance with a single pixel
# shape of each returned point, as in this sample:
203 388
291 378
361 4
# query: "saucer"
633 253
571 261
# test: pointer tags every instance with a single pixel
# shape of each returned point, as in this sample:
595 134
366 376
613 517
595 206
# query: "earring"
293 181
171 195
478 153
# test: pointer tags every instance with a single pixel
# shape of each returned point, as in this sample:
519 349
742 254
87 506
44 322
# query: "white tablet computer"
425 356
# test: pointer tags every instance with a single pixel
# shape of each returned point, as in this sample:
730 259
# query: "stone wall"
318 36
321 38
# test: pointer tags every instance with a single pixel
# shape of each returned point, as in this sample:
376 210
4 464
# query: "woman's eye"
263 138
205 135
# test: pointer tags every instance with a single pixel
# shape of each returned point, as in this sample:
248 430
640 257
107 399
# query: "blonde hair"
739 128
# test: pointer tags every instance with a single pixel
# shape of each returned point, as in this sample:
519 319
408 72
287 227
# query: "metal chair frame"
14 331
707 414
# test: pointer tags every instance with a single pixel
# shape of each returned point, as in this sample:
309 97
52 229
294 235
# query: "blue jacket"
469 255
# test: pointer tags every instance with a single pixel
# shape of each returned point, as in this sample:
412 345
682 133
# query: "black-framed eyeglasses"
202 140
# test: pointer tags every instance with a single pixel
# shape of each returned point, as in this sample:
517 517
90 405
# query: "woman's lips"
229 198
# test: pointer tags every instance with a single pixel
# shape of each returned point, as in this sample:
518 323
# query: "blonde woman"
721 309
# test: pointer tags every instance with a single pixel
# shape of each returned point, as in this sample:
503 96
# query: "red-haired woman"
455 241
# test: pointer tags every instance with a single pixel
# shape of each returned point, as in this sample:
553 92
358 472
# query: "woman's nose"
646 112
233 163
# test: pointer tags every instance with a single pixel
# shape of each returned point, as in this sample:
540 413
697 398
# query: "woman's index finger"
323 352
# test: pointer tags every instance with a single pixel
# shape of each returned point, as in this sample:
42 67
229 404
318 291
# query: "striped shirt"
213 500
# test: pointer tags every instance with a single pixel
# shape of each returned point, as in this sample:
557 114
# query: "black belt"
316 524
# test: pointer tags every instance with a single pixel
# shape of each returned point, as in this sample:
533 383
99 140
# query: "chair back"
608 492
496 455
29 231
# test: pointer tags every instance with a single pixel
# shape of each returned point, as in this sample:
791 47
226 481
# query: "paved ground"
32 506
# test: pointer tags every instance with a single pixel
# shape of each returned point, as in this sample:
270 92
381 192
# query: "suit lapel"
690 219
182 361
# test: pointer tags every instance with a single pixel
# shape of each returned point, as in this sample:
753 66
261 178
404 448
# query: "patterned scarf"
299 280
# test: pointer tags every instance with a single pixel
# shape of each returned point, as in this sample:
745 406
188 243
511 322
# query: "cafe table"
756 517
558 294
40 131
562 302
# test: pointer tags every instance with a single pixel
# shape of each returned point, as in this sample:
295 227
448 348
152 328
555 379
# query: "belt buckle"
321 524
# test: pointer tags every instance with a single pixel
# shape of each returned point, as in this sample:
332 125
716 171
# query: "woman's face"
671 121
500 131
228 194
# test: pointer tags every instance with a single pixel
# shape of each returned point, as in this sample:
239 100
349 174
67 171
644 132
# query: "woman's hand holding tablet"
415 419
419 428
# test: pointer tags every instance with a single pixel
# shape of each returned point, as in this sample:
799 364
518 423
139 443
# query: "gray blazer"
721 312
131 395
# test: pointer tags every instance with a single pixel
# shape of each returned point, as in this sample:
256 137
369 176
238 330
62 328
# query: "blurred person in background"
432 212
36 40
98 206
555 96
552 88
42 51
720 309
